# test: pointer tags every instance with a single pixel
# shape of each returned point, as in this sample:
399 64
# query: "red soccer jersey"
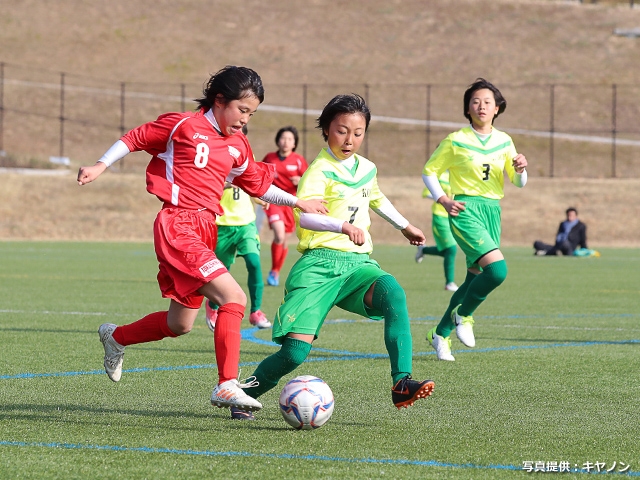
192 159
292 166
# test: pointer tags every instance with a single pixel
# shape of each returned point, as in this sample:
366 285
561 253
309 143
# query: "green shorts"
236 241
477 229
319 280
442 232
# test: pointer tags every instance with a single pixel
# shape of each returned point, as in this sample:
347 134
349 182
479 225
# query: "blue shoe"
273 279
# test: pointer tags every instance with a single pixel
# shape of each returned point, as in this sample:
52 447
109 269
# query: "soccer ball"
306 402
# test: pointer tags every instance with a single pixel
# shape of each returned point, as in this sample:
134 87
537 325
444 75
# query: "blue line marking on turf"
284 456
339 355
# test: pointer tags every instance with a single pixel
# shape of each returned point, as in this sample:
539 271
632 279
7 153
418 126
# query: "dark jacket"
577 236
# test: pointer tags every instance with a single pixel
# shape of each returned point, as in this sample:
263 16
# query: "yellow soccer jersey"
349 194
436 208
238 208
476 167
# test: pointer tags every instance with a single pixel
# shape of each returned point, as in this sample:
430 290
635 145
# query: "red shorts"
282 213
185 241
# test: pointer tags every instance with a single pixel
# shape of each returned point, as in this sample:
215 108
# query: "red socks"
148 329
278 256
226 339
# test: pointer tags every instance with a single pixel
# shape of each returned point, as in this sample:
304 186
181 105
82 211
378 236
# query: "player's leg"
179 277
249 249
450 268
226 250
277 249
494 272
294 330
376 294
447 247
479 221
226 292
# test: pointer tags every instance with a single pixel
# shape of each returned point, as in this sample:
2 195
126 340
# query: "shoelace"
250 382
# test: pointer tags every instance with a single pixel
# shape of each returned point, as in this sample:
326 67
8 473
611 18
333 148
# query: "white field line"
312 112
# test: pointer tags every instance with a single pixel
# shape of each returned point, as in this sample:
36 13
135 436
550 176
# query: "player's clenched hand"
451 206
414 235
355 234
315 205
89 174
519 163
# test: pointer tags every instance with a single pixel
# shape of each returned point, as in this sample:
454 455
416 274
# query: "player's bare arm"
315 205
355 234
89 174
414 235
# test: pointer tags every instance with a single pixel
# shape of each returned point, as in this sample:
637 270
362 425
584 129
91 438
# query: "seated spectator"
572 233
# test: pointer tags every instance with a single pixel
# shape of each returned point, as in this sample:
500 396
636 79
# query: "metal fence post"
304 120
61 153
551 127
614 121
366 138
122 112
2 152
428 126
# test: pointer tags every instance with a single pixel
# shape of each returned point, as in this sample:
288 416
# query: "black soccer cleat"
237 414
407 391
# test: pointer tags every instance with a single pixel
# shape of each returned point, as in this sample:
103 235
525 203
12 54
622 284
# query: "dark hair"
232 83
341 104
479 84
291 129
571 209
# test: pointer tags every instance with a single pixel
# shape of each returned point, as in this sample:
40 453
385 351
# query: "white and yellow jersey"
475 167
238 208
349 194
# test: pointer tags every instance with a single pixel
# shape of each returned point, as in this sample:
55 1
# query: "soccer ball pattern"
306 402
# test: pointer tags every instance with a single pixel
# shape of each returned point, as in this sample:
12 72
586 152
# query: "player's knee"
497 271
388 292
450 250
294 352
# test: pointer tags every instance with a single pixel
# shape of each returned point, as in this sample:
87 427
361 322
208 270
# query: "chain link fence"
565 130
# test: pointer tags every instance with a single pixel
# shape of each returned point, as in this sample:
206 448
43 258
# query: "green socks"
292 354
489 279
446 325
472 293
390 299
254 280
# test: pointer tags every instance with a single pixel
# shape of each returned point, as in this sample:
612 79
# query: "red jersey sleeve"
152 137
256 178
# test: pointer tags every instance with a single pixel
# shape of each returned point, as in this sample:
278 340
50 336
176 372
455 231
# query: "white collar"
209 116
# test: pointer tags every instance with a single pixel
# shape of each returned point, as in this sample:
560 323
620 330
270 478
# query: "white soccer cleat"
441 345
419 254
464 328
230 394
451 286
113 351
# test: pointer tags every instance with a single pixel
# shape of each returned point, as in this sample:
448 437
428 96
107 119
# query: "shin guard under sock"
226 338
292 354
449 255
254 280
276 253
390 299
151 328
489 279
446 325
